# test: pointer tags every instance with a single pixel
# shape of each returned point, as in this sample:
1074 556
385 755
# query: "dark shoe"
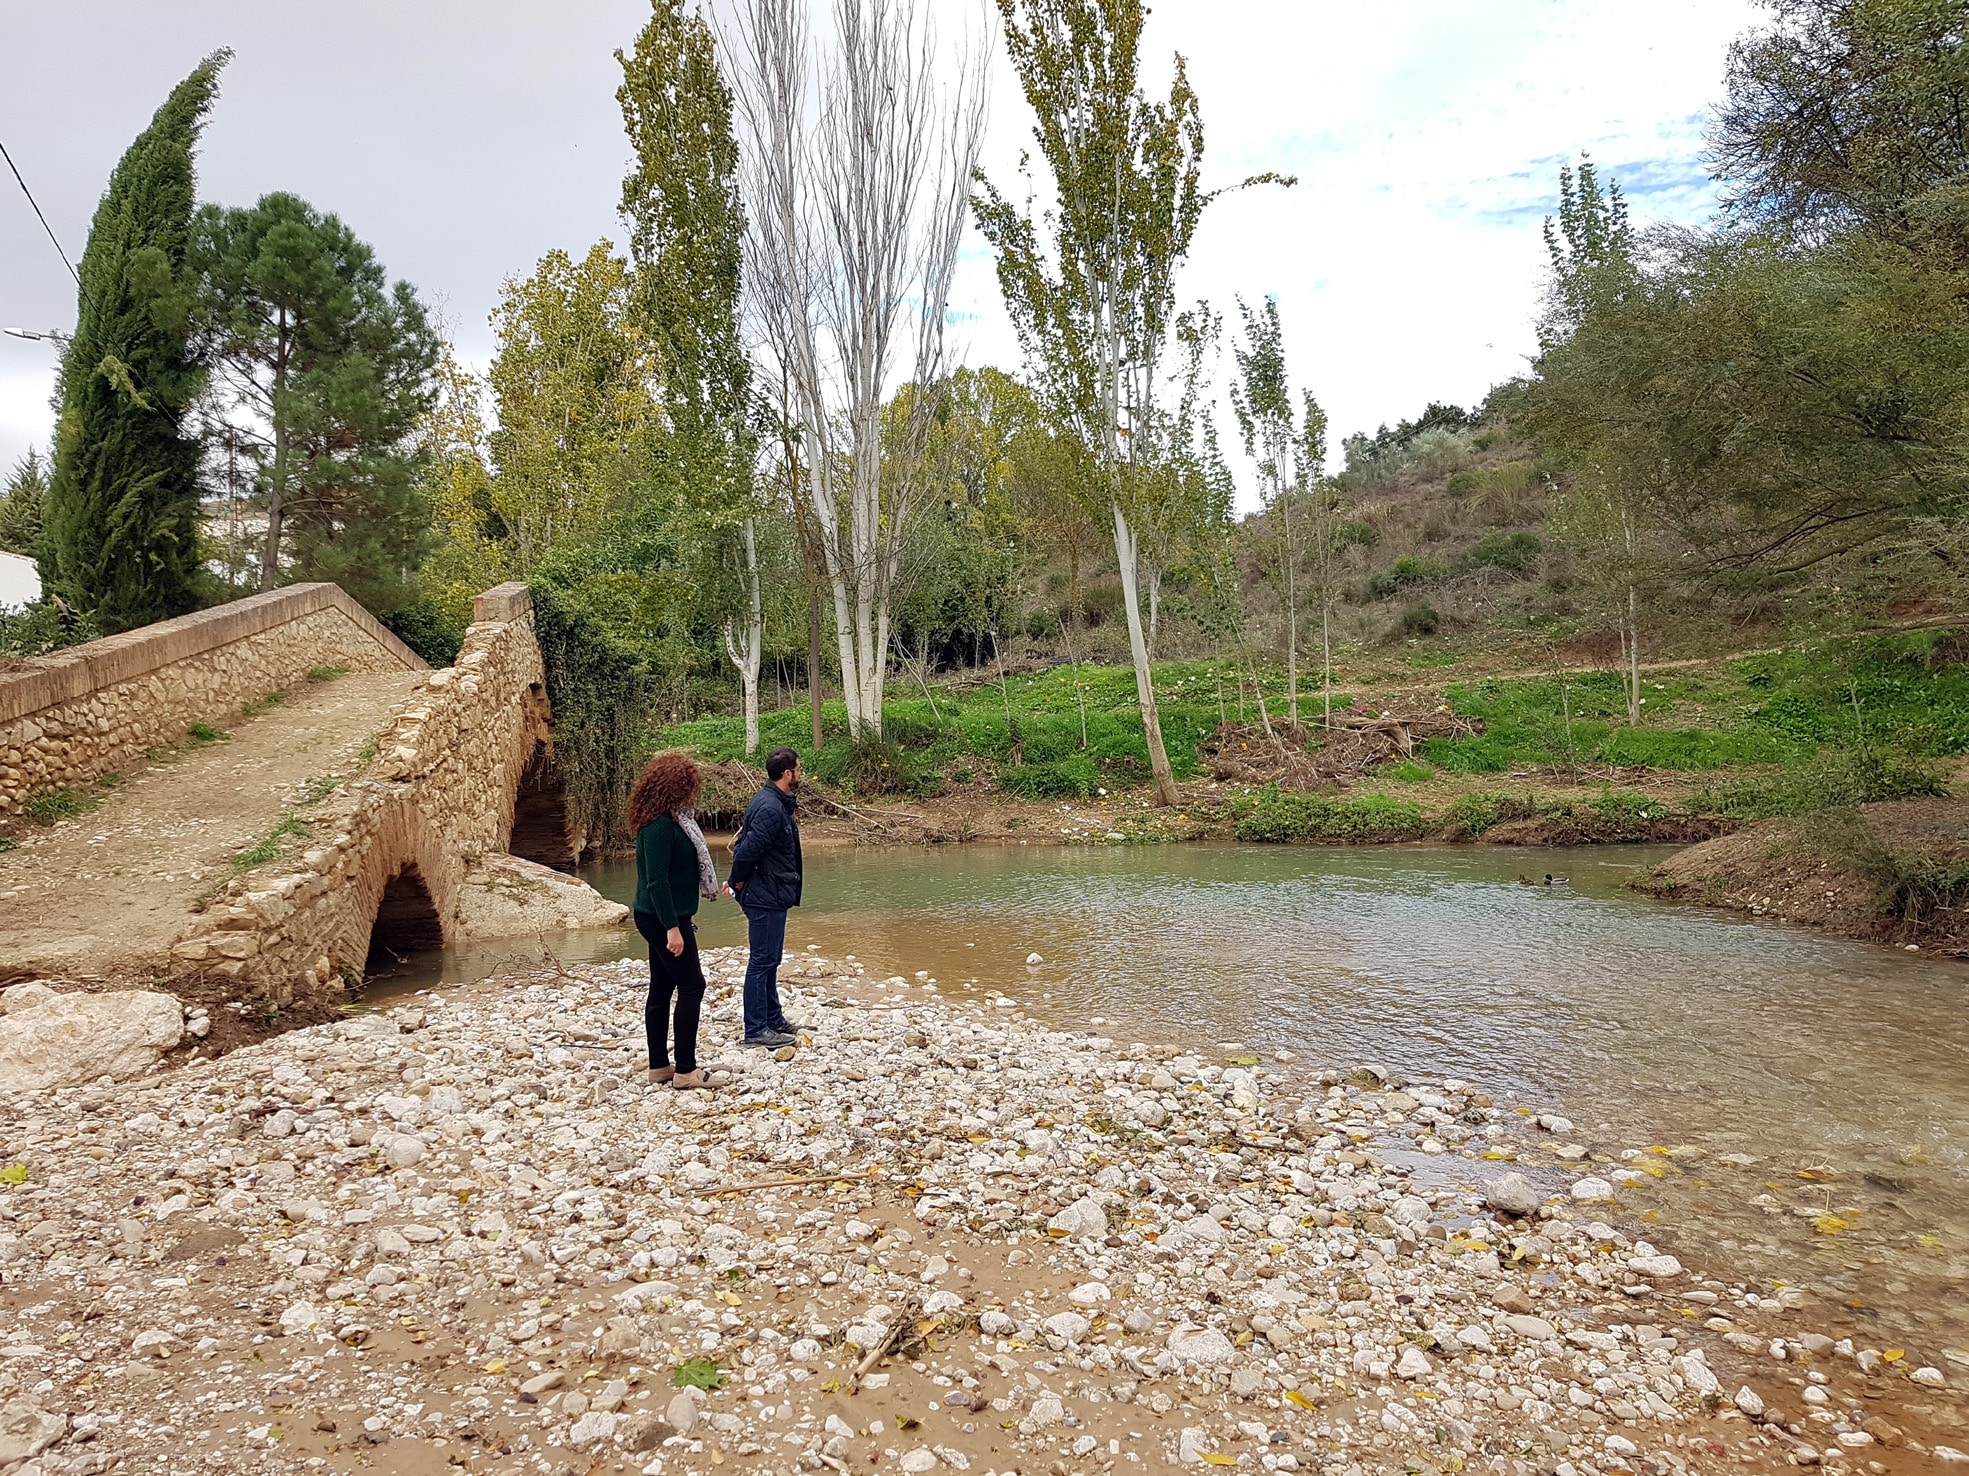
770 1040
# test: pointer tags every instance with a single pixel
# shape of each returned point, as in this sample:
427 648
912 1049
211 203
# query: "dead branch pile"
1296 756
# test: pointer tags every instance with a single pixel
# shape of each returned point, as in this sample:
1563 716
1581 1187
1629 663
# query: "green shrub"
427 630
50 805
1075 777
1470 815
1418 619
1276 815
1407 771
1405 571
1465 482
600 694
1837 778
1042 625
1512 552
1356 533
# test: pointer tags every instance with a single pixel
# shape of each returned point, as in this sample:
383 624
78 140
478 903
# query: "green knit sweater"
666 872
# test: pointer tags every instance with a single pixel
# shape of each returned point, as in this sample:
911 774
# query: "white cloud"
1426 136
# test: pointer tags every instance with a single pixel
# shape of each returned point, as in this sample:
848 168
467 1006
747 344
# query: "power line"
52 239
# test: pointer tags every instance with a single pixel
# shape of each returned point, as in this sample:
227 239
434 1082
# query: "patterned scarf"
707 874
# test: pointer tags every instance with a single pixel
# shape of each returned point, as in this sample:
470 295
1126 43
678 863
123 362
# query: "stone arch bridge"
276 794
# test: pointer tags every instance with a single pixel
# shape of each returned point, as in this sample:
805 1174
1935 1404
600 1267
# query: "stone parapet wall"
438 797
68 718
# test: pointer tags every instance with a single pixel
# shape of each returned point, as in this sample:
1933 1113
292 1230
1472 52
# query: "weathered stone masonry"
68 718
405 840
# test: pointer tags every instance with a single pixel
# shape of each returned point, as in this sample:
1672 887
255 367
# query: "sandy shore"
465 1234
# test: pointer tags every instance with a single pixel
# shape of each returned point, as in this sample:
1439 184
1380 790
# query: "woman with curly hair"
673 870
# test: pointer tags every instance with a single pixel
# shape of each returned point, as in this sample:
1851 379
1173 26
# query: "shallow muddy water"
1841 1068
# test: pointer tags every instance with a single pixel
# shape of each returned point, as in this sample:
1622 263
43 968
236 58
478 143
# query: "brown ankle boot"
660 1074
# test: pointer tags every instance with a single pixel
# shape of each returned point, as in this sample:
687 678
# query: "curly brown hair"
670 783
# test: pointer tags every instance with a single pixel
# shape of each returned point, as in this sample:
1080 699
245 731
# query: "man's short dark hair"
781 762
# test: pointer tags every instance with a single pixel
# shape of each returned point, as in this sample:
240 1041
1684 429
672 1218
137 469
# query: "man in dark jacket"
765 877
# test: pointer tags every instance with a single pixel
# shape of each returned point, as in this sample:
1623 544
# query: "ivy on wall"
601 696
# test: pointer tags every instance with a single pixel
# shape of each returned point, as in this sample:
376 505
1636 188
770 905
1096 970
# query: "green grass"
8 843
1407 771
1037 753
271 845
1761 711
1276 815
1744 725
254 706
326 673
205 733
317 790
52 805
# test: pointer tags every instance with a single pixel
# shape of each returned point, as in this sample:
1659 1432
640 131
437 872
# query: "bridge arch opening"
407 922
541 829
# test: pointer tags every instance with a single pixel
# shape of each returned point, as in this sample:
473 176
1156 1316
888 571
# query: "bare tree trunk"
1138 647
1079 693
1633 656
1264 715
859 192
1326 659
745 653
1291 561
813 649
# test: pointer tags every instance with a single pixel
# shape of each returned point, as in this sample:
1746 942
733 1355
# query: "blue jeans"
766 935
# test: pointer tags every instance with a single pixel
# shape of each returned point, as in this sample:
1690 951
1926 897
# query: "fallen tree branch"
846 1176
905 1319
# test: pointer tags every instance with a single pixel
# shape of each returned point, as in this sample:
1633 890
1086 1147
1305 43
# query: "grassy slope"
1735 739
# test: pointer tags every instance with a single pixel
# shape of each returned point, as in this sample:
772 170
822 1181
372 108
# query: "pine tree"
23 505
121 540
324 370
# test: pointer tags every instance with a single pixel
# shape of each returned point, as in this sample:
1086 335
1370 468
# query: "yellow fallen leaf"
1894 1355
1829 1224
1293 1396
496 1366
730 1299
1217 1460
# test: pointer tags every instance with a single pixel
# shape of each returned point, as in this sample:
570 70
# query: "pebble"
474 1223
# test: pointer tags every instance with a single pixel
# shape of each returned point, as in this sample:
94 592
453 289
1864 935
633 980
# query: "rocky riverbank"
1896 872
940 1235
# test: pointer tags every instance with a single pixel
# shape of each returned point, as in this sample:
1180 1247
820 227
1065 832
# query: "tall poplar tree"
687 233
1090 283
121 538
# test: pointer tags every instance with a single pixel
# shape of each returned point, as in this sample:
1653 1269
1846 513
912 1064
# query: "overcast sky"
464 138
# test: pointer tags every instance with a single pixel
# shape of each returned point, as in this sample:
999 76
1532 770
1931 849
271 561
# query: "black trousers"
682 976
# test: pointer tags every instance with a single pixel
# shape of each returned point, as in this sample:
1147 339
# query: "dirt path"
105 893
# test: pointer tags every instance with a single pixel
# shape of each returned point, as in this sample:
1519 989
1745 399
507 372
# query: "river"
1840 1068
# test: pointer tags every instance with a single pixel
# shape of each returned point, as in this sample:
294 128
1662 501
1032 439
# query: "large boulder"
506 897
48 1039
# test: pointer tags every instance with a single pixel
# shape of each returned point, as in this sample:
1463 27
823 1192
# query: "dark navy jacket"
767 856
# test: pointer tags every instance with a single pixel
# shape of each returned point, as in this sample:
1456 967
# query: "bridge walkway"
102 894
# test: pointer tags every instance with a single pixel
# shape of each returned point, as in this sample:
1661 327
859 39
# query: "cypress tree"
121 538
